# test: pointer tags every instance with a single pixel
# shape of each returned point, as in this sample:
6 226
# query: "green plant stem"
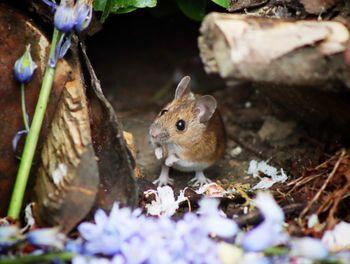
24 111
33 135
64 256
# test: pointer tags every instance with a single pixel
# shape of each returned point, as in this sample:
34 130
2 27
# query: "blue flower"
46 237
64 19
83 14
25 66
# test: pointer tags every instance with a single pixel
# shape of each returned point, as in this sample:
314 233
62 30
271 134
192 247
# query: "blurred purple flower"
131 237
64 19
9 236
50 4
271 211
74 245
47 237
25 66
79 259
270 232
266 234
83 14
213 222
308 247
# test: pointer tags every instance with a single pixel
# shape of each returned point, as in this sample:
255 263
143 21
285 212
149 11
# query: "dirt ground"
143 59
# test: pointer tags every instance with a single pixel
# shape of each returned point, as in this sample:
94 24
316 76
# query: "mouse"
188 135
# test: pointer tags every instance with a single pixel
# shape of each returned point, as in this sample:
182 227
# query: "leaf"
120 6
99 5
222 3
194 9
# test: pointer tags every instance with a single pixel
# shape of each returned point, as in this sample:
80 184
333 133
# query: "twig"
321 190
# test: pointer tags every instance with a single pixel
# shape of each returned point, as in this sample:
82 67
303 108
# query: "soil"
144 57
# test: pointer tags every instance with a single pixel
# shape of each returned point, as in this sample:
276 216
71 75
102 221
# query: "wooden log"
265 50
301 65
67 180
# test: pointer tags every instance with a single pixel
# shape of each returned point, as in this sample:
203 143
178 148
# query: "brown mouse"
188 134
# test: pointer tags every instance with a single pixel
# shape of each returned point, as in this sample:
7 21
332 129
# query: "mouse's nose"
157 133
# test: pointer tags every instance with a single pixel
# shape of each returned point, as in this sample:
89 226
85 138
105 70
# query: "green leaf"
194 9
99 5
120 6
223 3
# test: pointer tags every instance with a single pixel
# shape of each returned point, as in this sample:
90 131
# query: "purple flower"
9 236
46 237
25 66
62 47
50 4
64 18
308 247
83 14
79 259
271 211
270 232
214 222
17 138
75 246
130 237
266 234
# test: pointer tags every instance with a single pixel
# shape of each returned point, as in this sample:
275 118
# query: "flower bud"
25 66
64 18
83 14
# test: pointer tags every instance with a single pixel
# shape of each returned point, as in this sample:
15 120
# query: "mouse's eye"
163 112
180 125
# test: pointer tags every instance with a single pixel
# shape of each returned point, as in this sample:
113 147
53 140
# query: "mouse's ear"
183 87
205 107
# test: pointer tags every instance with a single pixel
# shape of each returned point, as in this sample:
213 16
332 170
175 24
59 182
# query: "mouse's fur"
202 142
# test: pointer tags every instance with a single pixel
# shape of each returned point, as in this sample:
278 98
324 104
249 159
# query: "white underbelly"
185 165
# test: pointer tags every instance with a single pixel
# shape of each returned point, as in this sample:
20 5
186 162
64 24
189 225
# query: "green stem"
33 135
64 256
24 111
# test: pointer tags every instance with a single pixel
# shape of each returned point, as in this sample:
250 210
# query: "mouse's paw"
162 181
199 179
158 152
164 178
171 160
